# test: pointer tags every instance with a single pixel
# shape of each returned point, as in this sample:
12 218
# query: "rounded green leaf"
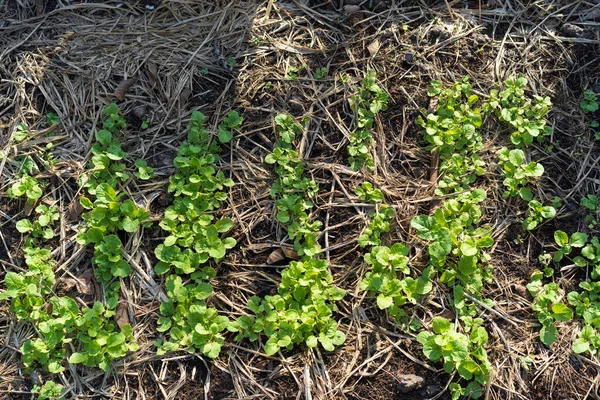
78 358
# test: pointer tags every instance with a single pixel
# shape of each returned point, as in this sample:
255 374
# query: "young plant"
518 173
371 100
144 172
590 203
21 132
380 222
459 352
457 245
26 186
386 264
548 306
52 119
195 237
40 228
49 391
589 104
366 192
106 153
301 311
587 307
536 215
230 124
524 116
321 73
565 245
453 131
100 342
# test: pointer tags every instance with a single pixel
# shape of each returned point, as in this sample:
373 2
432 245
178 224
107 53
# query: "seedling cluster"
366 105
302 310
194 239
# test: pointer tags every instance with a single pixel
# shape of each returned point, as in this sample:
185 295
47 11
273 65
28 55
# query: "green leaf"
578 239
311 341
526 194
271 347
211 349
440 325
561 238
225 135
516 157
468 248
24 226
581 345
104 137
384 302
548 334
78 358
562 312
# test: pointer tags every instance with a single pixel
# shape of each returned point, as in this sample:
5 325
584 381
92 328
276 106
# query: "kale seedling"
40 227
459 352
589 104
144 171
548 306
26 186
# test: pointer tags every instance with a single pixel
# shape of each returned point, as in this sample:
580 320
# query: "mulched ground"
213 56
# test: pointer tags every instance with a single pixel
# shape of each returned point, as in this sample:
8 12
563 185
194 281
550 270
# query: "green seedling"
21 132
230 124
366 192
589 104
566 245
321 72
536 215
380 223
49 391
292 72
371 100
41 226
459 353
195 237
548 306
386 265
524 116
518 173
26 186
52 119
587 307
453 131
144 172
301 311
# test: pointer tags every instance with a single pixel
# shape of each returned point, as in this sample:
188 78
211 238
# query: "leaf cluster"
459 352
548 306
26 186
40 227
453 131
524 116
536 214
518 173
293 191
387 264
370 100
195 237
301 310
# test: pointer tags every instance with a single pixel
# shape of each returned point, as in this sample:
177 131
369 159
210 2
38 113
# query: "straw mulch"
173 57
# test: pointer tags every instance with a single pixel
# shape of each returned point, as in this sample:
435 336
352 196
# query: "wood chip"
122 315
374 47
121 90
